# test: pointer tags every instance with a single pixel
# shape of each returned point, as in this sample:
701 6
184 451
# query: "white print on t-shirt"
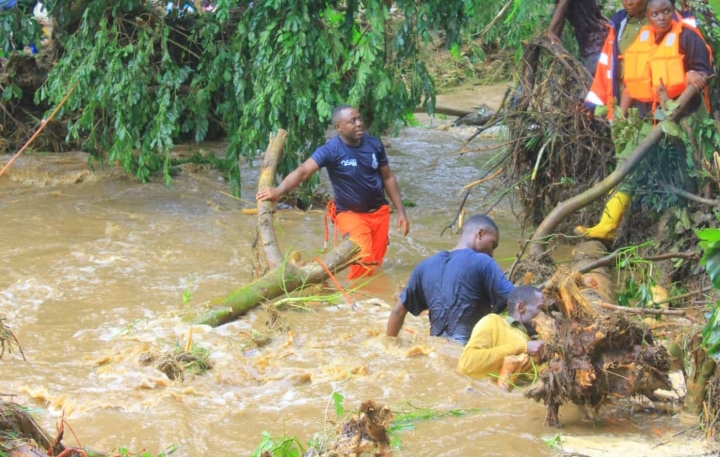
349 163
374 162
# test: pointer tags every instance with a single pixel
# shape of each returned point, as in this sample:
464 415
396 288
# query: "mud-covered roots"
553 139
9 342
19 433
597 358
533 267
176 364
565 288
364 432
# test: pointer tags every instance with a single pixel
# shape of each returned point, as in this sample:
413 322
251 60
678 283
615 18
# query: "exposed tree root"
365 432
21 436
596 354
8 341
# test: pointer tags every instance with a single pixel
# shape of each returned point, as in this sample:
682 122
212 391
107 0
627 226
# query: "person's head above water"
525 303
480 234
660 14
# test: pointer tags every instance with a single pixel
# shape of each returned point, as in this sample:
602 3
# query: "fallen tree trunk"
596 354
266 228
567 207
481 116
280 281
284 277
447 110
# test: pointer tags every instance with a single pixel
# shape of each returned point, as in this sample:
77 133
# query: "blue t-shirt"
354 173
458 288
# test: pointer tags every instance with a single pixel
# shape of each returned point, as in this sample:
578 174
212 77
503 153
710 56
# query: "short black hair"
337 110
479 221
646 2
521 294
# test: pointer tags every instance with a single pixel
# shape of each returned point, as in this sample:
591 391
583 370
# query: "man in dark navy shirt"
588 23
360 175
457 287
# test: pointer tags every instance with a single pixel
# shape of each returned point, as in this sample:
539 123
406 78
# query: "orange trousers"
370 232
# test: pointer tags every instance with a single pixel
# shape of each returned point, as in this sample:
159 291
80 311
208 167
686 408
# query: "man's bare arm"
393 190
396 319
558 20
300 174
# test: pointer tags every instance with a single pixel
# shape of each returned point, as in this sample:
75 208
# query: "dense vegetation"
147 80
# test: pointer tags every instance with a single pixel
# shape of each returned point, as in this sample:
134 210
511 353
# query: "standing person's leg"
620 201
380 227
355 225
590 62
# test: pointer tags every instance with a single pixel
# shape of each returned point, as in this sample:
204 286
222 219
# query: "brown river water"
93 273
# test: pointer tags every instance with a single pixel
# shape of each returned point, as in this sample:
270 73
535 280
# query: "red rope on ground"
334 279
330 214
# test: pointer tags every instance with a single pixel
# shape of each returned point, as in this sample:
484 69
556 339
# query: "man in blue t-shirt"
457 287
360 175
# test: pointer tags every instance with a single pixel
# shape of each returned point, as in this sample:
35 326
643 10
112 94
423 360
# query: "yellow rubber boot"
615 208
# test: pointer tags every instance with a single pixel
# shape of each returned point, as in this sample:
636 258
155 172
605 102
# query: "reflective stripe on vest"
601 90
649 65
666 64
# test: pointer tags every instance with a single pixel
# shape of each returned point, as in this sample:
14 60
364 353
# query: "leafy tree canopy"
147 80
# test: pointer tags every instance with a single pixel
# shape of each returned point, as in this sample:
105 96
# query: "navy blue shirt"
458 288
354 172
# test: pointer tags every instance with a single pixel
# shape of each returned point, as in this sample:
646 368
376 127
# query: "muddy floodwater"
97 269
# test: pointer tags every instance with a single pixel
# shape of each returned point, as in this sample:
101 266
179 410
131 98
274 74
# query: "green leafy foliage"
554 441
638 275
406 420
338 398
279 446
124 452
18 28
710 245
636 293
148 80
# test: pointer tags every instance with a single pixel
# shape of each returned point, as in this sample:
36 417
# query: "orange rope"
330 214
334 279
42 126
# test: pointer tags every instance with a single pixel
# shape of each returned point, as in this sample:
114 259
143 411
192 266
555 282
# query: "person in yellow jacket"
496 337
667 52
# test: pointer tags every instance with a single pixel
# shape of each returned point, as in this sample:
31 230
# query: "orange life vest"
601 90
649 65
